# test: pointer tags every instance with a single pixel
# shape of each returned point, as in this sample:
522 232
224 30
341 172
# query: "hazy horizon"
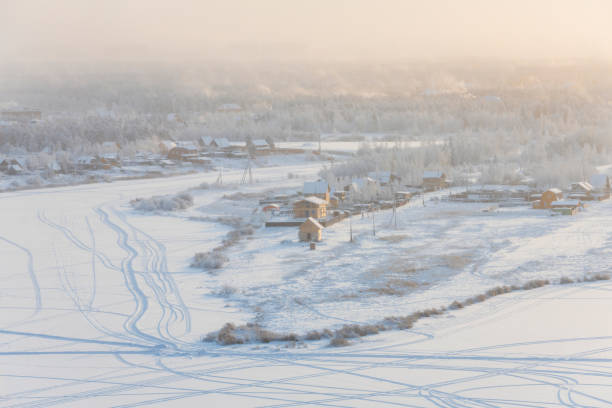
187 30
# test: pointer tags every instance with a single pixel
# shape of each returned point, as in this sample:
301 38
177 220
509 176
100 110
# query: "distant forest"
503 116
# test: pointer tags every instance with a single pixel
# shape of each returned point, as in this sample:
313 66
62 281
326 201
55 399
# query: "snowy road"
95 312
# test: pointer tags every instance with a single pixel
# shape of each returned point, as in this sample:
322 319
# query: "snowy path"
94 313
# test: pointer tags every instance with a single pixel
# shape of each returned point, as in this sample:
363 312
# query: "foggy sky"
183 30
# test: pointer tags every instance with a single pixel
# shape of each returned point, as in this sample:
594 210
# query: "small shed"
310 230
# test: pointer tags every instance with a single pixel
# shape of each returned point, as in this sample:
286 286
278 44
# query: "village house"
108 160
220 144
581 191
319 188
86 163
13 165
547 198
310 207
205 141
434 180
310 231
260 145
166 145
183 149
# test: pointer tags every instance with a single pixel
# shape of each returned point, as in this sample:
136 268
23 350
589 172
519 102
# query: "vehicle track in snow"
31 274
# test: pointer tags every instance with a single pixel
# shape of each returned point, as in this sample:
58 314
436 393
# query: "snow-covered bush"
209 260
175 202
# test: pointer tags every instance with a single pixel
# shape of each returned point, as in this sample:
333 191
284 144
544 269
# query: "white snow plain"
100 308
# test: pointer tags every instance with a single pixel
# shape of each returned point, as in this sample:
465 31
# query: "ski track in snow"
150 360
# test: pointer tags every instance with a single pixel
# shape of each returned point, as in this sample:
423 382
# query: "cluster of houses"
198 152
319 206
205 147
596 189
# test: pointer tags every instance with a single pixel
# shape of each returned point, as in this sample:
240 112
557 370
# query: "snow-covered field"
100 307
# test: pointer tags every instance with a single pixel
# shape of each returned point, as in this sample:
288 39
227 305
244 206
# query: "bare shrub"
339 342
226 291
538 283
596 277
175 202
498 290
394 238
457 261
209 260
456 305
318 335
565 280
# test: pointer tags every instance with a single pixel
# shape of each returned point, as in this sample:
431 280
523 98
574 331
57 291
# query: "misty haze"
284 203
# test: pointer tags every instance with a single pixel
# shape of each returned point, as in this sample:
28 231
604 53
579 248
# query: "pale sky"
375 30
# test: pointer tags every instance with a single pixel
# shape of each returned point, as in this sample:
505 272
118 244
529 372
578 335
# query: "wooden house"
310 230
310 207
13 165
259 145
182 149
166 145
547 198
581 191
319 188
221 143
434 180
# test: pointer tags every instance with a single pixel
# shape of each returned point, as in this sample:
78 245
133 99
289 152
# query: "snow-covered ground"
100 307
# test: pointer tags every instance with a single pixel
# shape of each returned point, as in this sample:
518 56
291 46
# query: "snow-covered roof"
555 191
314 222
21 161
566 203
316 187
206 140
428 174
15 168
186 144
314 200
582 185
222 142
600 180
168 144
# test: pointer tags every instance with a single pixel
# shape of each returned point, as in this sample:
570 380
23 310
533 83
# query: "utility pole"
350 227
220 177
247 170
373 224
